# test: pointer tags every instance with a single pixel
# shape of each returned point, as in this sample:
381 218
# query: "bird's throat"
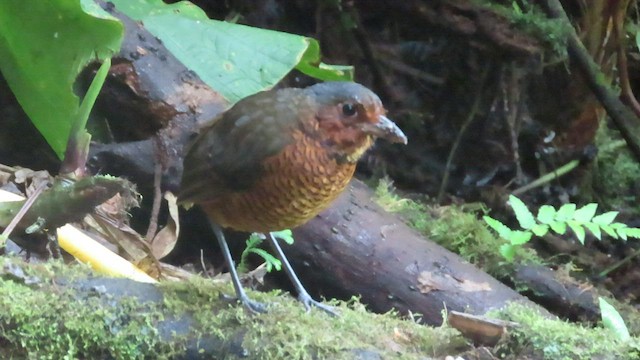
351 153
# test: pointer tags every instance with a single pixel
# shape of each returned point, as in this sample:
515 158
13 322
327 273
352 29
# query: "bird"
276 159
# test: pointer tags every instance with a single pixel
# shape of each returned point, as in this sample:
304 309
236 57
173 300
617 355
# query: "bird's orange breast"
294 186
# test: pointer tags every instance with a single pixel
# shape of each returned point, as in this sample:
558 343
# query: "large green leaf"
235 60
43 47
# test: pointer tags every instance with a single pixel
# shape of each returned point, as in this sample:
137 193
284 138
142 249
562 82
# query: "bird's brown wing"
228 155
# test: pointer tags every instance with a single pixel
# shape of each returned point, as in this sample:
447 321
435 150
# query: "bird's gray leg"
253 306
303 295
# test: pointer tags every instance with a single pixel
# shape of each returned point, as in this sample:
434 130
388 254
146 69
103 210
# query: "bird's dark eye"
349 109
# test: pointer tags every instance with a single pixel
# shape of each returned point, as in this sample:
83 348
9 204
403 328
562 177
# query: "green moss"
44 320
278 336
287 331
200 297
53 323
558 340
456 228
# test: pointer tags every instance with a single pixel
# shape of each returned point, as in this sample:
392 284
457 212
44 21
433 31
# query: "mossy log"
58 311
355 247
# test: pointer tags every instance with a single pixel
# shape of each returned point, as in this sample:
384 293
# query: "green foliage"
236 60
253 243
45 44
43 47
78 148
548 218
612 320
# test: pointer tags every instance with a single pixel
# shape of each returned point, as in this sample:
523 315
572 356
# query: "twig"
204 267
512 103
23 210
157 200
463 129
548 177
615 266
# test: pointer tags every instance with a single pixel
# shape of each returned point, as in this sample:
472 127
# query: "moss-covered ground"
44 318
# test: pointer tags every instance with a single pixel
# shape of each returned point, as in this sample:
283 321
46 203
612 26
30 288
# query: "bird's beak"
386 129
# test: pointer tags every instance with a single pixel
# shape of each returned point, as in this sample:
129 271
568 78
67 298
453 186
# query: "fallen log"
355 247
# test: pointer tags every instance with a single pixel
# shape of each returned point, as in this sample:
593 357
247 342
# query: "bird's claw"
254 307
308 302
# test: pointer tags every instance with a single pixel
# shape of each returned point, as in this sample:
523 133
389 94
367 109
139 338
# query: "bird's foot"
254 307
308 302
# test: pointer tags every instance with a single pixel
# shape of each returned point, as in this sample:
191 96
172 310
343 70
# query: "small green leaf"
284 235
540 229
622 233
609 230
524 216
503 230
559 227
612 320
546 214
508 251
577 229
605 219
252 243
270 260
585 213
594 229
253 240
566 212
519 237
631 232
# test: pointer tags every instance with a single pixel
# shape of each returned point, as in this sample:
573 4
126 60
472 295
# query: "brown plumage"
278 158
